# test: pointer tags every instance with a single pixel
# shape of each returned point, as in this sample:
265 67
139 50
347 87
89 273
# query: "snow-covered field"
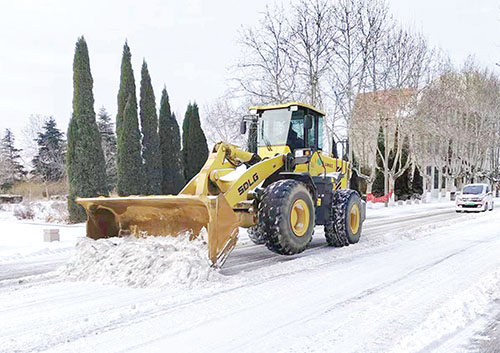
422 279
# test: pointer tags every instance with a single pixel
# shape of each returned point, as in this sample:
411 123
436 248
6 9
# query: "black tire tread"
270 216
336 232
256 236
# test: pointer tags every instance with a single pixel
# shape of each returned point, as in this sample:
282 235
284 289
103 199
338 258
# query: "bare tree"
391 113
313 39
266 69
222 121
360 26
396 70
459 111
29 135
332 53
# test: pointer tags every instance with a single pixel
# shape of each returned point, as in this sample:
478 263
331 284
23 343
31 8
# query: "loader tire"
286 217
255 235
346 219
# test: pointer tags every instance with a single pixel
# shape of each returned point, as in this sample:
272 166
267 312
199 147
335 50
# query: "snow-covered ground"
422 279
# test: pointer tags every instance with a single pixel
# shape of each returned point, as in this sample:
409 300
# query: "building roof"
387 103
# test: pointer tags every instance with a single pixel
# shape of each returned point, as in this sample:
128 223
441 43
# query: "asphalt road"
14 278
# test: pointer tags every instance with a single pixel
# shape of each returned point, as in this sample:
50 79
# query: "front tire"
286 217
346 219
256 235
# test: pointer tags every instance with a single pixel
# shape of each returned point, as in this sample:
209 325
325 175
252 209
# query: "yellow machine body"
218 198
199 205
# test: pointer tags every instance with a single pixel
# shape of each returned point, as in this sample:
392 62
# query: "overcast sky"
189 45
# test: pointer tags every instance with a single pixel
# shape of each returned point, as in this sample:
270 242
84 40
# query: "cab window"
315 135
311 138
295 138
274 127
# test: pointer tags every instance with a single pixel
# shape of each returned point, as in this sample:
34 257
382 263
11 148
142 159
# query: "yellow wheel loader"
280 189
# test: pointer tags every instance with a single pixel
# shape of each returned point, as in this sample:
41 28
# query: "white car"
475 197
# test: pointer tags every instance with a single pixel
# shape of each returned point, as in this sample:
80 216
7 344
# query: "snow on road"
23 251
423 278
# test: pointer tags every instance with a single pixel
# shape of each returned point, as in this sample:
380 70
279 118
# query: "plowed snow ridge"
141 262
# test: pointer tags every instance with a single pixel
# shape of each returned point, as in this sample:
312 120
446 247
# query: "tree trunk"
433 180
386 164
424 183
369 186
448 183
391 183
440 182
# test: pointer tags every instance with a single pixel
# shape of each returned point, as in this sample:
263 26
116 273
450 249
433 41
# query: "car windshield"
274 126
473 189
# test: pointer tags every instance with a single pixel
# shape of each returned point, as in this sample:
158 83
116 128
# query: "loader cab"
286 128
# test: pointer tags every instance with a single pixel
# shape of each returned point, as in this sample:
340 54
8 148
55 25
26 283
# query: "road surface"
422 281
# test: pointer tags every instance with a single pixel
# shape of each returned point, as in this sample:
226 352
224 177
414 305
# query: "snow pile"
141 262
41 211
455 314
6 212
51 211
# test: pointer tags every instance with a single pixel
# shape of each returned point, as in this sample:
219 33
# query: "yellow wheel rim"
299 217
354 218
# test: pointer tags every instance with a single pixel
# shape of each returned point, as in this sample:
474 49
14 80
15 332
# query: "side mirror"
308 122
243 127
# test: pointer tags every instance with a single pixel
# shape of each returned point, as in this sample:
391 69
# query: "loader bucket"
165 216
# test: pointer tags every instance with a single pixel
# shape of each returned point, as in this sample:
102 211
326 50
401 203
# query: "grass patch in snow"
143 262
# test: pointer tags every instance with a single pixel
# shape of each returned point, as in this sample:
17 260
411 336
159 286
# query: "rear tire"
346 219
255 235
286 217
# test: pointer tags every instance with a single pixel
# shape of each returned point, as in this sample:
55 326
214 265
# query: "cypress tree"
128 158
85 159
194 143
355 181
170 146
417 184
150 140
402 184
378 184
108 137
